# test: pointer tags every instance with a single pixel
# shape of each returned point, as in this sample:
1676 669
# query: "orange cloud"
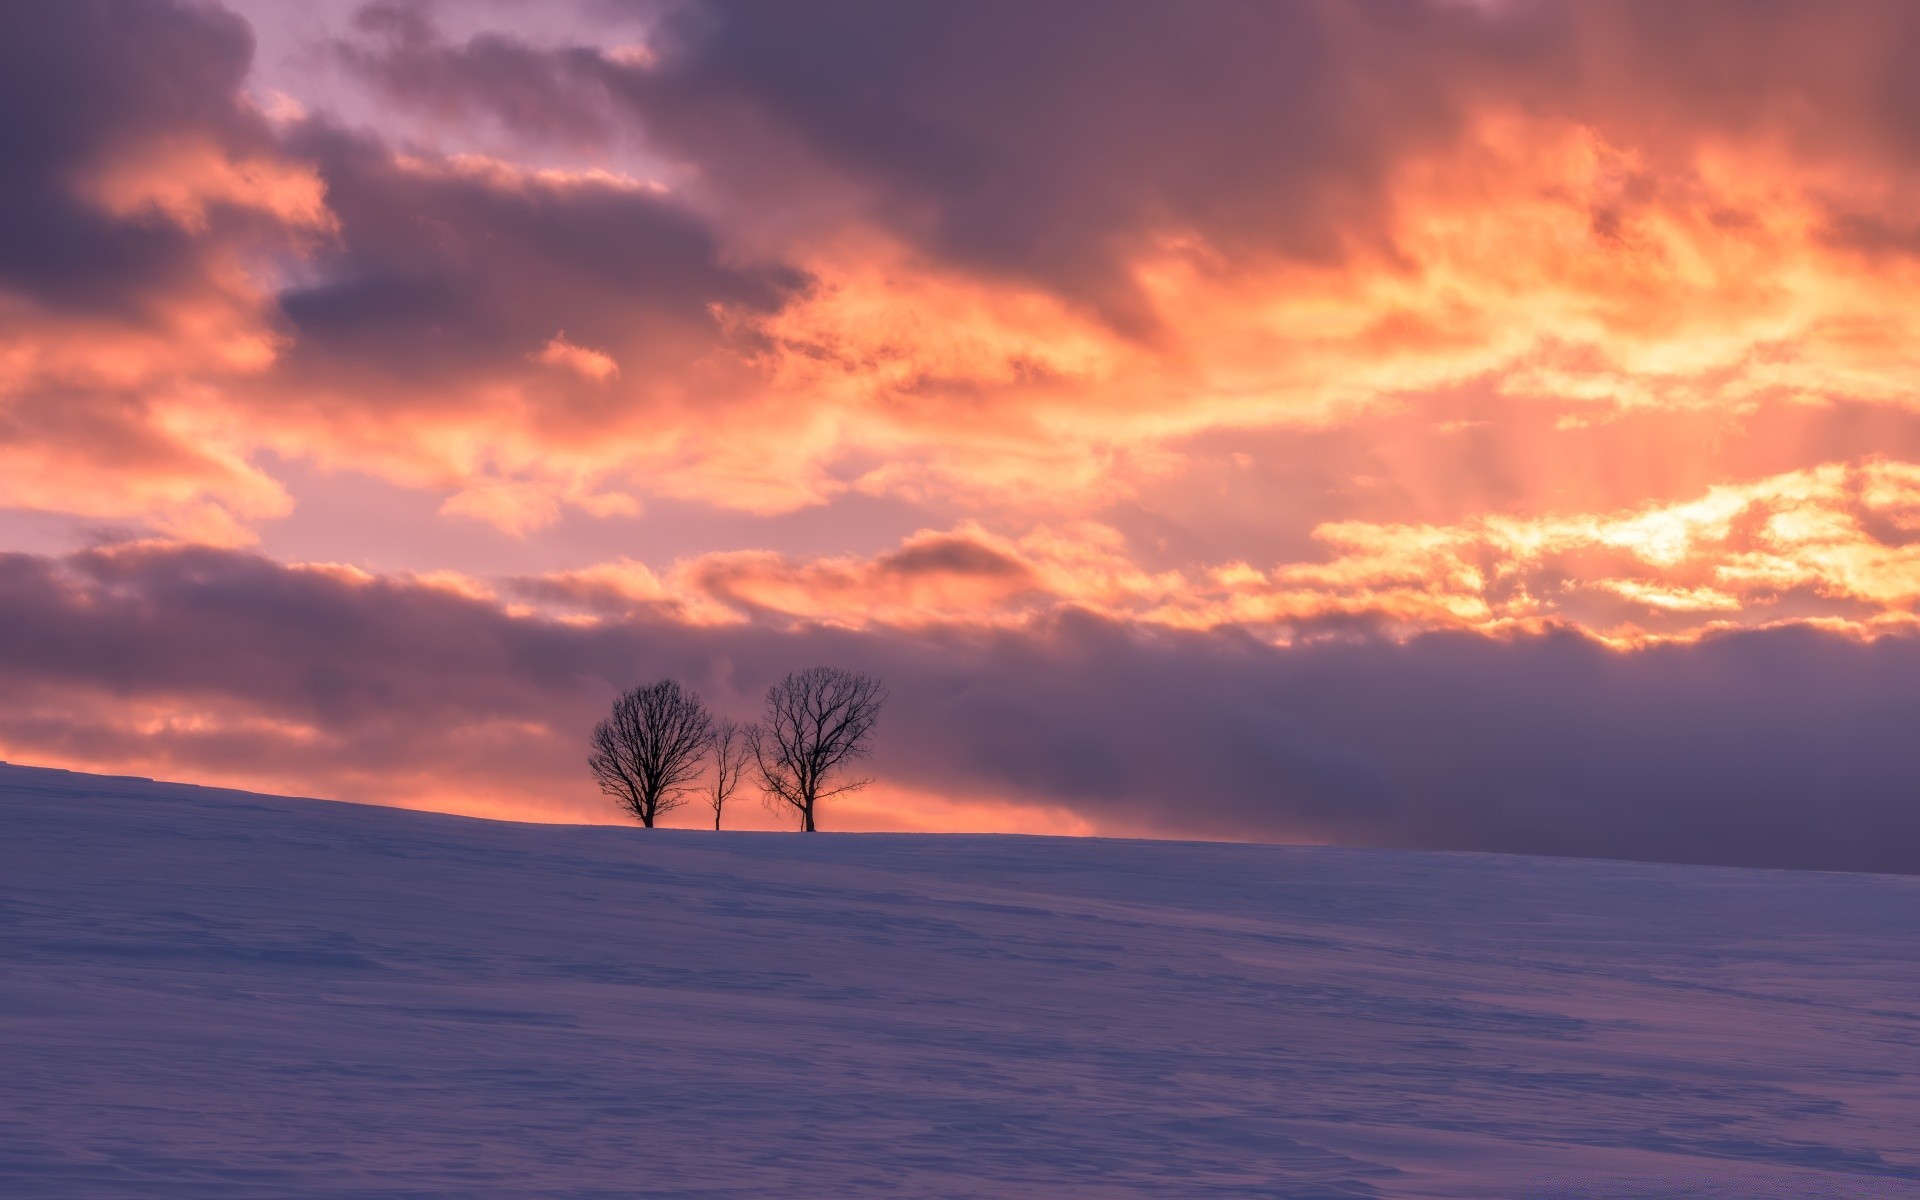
1530 247
125 420
1838 543
185 180
1599 278
1530 251
588 363
931 577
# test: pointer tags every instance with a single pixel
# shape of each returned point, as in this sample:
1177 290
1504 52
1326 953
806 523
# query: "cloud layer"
941 256
1782 747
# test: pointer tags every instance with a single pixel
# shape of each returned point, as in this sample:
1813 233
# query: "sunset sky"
1483 424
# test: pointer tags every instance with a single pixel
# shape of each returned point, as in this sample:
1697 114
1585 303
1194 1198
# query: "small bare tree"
817 721
729 744
648 750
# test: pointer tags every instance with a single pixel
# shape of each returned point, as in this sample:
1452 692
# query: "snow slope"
212 994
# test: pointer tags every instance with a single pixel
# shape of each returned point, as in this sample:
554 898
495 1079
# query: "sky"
1466 425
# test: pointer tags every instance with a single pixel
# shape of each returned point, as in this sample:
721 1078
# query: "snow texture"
211 994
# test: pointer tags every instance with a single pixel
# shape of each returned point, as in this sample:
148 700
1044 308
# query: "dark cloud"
552 98
951 554
1051 142
1043 140
442 273
1038 141
1781 747
84 84
433 271
368 689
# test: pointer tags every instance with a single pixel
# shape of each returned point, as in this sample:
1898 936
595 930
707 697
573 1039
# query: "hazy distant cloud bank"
1784 747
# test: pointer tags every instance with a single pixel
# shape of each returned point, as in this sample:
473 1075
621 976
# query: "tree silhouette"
729 745
817 721
650 747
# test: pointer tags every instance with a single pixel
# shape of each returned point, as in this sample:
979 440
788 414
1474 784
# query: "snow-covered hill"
211 994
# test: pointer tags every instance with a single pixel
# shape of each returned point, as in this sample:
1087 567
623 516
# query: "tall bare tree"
817 721
729 745
650 748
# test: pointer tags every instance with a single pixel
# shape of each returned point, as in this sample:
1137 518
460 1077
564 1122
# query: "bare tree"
817 721
650 748
729 744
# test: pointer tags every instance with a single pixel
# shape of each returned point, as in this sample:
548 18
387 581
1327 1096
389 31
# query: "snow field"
212 994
